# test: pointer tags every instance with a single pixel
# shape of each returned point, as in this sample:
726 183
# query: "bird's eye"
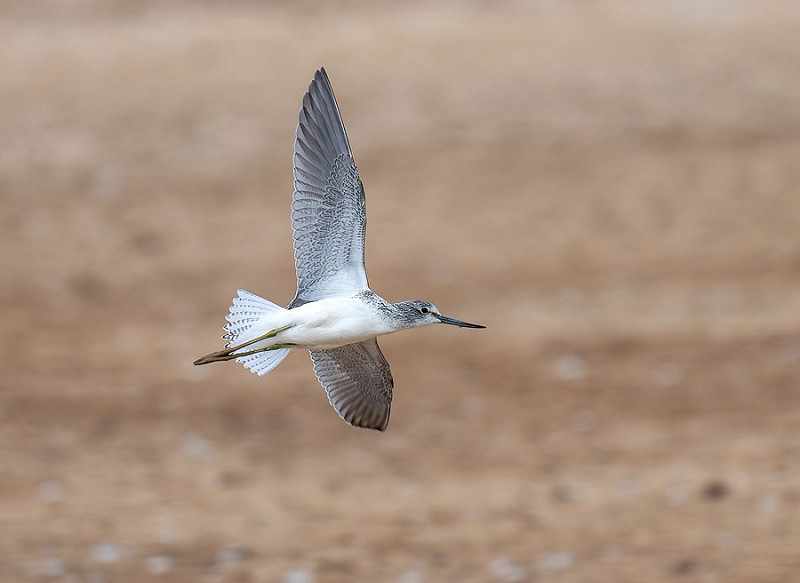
424 310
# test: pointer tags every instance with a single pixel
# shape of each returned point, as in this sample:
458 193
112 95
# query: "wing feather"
358 381
328 207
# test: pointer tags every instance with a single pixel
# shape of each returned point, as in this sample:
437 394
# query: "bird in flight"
334 314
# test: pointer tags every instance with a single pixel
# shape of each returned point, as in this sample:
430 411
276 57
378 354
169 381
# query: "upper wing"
358 382
328 210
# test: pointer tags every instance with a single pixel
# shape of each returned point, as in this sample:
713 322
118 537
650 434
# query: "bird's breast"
334 322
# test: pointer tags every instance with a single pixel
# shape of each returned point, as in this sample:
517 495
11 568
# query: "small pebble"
569 491
105 553
195 446
231 555
411 576
167 529
49 567
53 567
769 503
159 565
715 490
676 495
685 567
51 491
556 561
570 367
506 570
739 480
298 576
628 488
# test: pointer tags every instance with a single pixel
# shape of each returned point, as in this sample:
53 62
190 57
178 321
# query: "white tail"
247 308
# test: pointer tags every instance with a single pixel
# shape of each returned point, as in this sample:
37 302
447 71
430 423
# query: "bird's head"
420 313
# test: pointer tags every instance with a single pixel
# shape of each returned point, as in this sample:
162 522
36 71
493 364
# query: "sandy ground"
612 188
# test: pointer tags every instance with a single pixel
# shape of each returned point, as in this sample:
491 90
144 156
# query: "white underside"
320 325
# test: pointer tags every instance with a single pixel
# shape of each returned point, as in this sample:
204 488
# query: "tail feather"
246 310
263 362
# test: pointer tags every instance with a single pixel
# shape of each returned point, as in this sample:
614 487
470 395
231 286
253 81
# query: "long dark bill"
459 323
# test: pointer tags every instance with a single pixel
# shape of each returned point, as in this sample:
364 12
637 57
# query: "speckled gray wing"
358 382
328 210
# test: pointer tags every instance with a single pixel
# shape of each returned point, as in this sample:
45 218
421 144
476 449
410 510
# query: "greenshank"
334 314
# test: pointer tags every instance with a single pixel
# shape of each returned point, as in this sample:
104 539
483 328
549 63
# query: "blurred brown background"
613 188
